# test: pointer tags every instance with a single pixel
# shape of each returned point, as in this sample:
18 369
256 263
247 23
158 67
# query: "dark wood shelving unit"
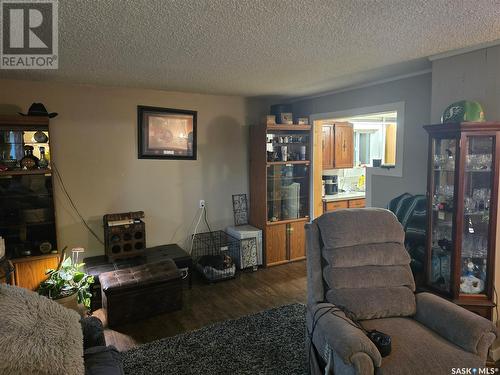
27 217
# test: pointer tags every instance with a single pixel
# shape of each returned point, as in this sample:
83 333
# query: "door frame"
397 171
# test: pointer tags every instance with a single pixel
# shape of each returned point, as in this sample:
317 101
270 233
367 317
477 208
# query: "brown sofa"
356 260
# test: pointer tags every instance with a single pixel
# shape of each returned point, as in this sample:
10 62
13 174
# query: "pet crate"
213 254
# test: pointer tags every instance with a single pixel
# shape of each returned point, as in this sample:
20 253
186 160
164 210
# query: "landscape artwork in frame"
166 133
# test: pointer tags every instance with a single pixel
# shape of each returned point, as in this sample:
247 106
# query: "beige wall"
94 144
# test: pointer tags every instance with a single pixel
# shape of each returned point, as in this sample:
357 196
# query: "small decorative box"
270 120
286 118
303 120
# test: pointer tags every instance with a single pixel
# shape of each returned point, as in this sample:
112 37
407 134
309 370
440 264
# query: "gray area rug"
269 342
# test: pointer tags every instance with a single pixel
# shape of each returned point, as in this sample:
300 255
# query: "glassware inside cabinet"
283 146
443 193
476 220
287 192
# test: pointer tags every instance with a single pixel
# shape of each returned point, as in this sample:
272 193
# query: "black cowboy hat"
38 109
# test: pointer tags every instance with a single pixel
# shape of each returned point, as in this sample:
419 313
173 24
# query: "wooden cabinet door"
297 240
327 143
276 242
357 203
343 145
29 273
337 205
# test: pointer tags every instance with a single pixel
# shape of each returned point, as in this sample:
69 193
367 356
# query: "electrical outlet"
202 203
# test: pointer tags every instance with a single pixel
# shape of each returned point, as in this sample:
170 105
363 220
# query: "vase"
70 302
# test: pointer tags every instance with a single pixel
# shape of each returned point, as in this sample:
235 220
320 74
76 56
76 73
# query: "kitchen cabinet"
357 203
344 145
462 198
338 145
327 143
337 205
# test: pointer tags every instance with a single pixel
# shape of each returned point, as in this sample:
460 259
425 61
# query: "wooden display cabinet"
338 145
280 189
29 272
462 194
27 217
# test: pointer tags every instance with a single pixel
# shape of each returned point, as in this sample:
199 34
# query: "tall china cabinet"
280 189
27 218
463 177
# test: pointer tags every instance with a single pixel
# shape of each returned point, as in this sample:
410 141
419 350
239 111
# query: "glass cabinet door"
476 219
444 153
287 191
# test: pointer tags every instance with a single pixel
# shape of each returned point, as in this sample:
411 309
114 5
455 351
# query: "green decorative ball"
463 110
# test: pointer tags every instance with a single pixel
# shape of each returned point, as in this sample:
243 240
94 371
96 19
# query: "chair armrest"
340 334
464 328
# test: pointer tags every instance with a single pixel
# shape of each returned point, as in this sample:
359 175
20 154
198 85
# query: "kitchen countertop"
344 196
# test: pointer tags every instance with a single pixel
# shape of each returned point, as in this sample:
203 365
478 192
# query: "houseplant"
68 285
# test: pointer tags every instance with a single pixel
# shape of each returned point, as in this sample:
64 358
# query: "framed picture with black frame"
166 133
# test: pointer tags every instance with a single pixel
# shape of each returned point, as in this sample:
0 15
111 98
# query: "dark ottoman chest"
142 291
99 264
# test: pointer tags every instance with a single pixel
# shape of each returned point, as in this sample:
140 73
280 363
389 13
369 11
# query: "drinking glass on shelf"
437 164
439 161
449 163
481 198
471 162
484 162
469 204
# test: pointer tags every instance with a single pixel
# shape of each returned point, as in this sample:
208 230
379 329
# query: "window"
374 138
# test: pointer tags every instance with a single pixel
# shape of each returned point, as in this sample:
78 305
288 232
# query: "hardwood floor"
205 303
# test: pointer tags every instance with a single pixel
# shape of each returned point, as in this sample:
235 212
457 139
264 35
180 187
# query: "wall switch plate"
202 203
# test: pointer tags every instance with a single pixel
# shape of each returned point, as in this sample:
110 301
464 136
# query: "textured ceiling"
258 47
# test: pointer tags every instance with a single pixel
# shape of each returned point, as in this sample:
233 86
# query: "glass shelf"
290 162
475 231
287 147
443 215
287 191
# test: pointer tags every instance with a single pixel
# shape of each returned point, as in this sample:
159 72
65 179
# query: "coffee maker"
331 184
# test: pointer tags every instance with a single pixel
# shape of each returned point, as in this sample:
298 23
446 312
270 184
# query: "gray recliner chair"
356 260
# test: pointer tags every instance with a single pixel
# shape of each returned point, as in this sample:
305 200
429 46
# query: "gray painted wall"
416 93
471 76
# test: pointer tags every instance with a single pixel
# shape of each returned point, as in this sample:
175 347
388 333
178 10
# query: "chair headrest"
359 226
